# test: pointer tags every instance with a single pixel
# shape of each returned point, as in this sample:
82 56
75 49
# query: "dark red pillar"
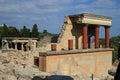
107 37
85 37
97 43
53 47
70 44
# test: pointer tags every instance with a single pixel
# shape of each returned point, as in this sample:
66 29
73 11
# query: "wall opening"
36 61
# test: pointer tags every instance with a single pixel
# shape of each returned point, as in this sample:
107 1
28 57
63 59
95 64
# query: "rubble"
11 68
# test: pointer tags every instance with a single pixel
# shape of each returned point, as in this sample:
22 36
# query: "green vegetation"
25 32
11 31
35 32
5 31
113 44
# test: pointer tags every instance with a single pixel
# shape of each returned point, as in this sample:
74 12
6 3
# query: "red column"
85 37
107 37
70 44
97 37
53 47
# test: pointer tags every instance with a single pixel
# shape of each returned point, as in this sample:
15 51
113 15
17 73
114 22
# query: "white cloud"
49 12
104 4
37 6
33 7
53 6
101 7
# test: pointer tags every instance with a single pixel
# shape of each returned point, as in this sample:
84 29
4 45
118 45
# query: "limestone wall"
85 64
44 44
12 43
69 30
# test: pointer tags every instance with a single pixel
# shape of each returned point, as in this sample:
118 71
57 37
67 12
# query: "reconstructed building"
15 43
78 49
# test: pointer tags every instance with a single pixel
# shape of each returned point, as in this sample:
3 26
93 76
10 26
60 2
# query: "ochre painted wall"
85 64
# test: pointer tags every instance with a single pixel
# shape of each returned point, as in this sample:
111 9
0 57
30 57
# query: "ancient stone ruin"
15 43
77 51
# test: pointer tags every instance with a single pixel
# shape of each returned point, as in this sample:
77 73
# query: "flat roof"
23 38
90 15
78 51
86 18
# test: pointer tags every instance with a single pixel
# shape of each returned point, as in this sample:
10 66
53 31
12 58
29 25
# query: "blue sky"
49 14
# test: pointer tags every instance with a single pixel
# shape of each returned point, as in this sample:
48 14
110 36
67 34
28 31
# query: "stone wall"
44 44
85 64
17 43
69 30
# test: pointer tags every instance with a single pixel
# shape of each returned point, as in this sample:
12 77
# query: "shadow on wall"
54 39
54 77
77 32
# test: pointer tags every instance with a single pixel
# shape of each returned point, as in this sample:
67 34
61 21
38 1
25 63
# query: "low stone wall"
80 62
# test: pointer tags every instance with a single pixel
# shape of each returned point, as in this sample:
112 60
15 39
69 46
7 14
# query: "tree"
1 27
25 32
35 32
45 31
113 44
13 32
4 31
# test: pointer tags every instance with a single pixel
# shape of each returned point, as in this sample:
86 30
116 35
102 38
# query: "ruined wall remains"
17 59
17 43
69 30
44 44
